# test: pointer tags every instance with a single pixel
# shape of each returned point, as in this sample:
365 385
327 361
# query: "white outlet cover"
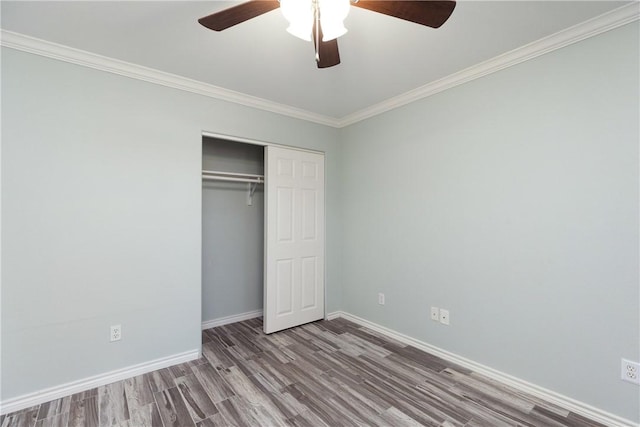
435 314
444 316
381 299
116 333
630 371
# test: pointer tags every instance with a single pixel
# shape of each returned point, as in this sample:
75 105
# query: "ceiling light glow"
332 16
301 14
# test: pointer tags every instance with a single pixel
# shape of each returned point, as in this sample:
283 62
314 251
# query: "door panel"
294 238
309 282
284 286
285 203
309 219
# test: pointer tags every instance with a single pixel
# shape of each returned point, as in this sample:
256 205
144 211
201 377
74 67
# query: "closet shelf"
252 179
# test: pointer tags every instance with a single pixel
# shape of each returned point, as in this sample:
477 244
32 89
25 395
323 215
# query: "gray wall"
232 271
101 216
512 201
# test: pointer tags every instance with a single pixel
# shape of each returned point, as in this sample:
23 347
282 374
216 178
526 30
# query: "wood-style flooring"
327 373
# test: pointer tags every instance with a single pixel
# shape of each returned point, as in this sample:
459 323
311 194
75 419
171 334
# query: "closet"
262 233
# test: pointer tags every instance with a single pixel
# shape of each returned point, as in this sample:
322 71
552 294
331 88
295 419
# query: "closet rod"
230 176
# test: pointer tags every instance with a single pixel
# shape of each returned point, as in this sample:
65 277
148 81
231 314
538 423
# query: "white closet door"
294 240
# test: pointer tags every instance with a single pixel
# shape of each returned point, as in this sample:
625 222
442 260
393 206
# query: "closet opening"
232 231
263 233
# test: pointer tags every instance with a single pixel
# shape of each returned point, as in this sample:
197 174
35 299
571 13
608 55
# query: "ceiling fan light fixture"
299 14
332 30
323 20
332 16
301 31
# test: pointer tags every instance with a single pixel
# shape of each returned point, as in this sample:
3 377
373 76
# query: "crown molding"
60 52
598 25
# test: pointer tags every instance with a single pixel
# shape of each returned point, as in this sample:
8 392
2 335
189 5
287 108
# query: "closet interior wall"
232 232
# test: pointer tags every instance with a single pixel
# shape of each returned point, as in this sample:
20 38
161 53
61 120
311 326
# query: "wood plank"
397 418
54 407
234 413
113 404
307 419
173 411
195 397
215 355
25 418
215 386
84 412
276 401
59 420
138 392
160 380
266 368
264 410
84 394
216 420
145 416
181 370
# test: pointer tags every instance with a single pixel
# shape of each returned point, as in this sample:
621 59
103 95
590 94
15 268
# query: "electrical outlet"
444 316
630 371
381 299
116 333
435 314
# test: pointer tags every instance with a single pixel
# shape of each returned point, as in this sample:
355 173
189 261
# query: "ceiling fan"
323 19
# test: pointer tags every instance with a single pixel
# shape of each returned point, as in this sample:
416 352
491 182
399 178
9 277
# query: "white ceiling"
382 57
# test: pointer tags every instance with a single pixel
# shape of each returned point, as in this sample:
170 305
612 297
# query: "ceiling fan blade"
327 54
431 13
237 14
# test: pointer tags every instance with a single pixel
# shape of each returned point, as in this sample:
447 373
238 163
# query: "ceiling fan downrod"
316 16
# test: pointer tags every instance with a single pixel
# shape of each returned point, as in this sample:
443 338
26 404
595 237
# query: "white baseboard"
42 396
568 403
335 315
231 319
